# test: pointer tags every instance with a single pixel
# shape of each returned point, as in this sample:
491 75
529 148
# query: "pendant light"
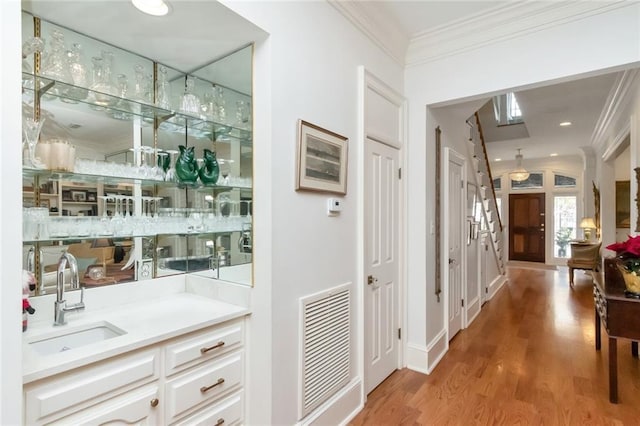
519 174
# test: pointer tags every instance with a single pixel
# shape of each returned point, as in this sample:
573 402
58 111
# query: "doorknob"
371 279
451 261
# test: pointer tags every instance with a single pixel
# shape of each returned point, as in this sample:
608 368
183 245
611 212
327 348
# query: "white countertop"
145 323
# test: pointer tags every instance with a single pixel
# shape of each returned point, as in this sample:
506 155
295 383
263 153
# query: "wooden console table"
620 316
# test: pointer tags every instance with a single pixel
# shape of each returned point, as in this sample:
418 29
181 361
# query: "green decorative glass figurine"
186 165
210 169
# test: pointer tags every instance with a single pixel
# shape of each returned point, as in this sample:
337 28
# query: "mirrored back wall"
138 170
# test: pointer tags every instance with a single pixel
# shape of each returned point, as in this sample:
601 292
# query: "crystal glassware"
121 109
170 175
163 99
31 129
102 86
189 101
78 70
55 65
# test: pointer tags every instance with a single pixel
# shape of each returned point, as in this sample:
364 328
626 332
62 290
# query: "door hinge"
486 290
400 173
462 184
462 300
399 334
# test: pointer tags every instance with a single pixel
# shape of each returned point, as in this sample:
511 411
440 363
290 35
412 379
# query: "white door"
455 196
381 262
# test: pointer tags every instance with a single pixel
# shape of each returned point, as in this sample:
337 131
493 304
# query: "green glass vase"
186 165
210 169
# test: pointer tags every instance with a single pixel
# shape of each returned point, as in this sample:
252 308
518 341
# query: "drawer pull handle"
217 345
219 422
206 388
154 402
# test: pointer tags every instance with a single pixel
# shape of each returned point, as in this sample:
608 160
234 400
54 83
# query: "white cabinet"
196 378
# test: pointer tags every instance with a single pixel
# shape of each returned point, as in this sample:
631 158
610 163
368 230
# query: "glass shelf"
76 238
115 180
171 121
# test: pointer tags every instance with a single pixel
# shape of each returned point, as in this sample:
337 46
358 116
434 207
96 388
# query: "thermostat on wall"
334 206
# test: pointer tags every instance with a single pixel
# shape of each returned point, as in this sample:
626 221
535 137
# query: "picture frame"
79 196
321 159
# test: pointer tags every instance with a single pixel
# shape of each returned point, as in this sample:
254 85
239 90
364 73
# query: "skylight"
507 110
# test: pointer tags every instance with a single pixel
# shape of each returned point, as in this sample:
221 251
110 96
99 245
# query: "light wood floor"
527 359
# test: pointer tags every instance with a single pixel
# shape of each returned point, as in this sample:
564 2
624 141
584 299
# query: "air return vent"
326 340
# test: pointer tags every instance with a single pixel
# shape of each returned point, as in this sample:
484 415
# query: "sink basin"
70 338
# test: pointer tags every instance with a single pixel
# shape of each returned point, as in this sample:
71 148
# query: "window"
535 180
564 224
560 181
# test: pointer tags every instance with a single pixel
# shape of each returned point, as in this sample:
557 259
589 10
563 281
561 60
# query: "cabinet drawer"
205 383
202 347
140 406
69 392
224 413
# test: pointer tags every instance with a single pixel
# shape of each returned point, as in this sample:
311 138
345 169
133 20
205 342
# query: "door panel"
382 268
526 227
455 210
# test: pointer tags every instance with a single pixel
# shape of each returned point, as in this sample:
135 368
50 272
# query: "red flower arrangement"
631 246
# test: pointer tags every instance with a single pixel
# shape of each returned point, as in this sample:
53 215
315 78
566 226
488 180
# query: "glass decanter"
121 109
103 88
163 99
141 90
55 65
78 72
189 101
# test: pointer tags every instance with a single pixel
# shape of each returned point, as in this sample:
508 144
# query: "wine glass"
170 175
32 130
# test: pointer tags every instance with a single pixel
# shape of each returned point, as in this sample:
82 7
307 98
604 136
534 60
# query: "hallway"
528 359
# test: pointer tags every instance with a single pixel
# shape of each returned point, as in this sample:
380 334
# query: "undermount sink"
71 338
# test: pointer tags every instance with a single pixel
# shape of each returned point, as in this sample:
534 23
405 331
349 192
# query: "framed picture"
79 196
322 159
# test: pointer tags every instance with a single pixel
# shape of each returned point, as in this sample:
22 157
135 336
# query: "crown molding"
499 24
615 106
374 22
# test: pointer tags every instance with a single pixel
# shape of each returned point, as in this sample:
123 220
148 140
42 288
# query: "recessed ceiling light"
498 159
554 154
152 7
565 123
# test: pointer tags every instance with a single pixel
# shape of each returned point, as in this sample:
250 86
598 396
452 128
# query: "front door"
526 227
455 208
381 263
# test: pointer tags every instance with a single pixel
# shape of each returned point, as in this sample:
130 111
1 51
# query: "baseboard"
473 310
424 359
340 408
436 350
417 358
496 285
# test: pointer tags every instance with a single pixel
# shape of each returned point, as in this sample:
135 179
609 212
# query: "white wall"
314 54
552 53
10 223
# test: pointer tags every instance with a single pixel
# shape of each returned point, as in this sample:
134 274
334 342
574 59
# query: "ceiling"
580 101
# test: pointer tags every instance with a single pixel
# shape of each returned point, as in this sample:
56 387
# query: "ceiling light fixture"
519 174
152 7
565 124
553 154
498 159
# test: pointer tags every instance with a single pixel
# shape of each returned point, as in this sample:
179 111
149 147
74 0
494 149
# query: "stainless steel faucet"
60 306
